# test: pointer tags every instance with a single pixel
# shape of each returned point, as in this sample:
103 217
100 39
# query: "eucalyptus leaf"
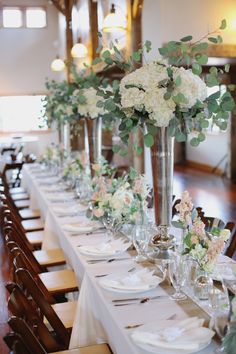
213 40
223 24
148 140
186 38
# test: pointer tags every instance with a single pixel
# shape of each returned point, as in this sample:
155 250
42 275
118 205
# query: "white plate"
151 286
80 228
148 348
100 253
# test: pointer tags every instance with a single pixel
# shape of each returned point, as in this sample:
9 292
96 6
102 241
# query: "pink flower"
98 213
96 167
127 200
198 227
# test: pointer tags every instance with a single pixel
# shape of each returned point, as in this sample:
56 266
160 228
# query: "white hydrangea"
192 87
89 108
159 109
146 93
147 77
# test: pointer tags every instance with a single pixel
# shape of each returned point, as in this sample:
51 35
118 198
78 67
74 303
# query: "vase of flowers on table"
167 99
118 201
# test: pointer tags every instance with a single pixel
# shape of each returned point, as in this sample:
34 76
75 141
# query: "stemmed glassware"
108 222
177 276
141 236
220 303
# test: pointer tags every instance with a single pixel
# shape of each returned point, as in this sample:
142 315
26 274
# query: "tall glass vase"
162 160
66 138
93 139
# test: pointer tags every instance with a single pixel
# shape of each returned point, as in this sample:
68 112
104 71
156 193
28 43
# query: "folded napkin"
61 210
224 271
106 248
61 197
188 334
54 188
82 226
46 181
139 281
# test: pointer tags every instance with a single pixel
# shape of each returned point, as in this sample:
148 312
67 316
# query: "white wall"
165 20
26 53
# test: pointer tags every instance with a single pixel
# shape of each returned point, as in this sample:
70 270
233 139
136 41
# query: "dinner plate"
100 253
148 348
104 283
80 227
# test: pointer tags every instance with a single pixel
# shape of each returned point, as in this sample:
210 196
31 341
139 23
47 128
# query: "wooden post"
93 19
69 36
134 11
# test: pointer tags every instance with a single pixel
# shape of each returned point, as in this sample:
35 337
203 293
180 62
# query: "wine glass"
177 277
220 304
108 222
141 236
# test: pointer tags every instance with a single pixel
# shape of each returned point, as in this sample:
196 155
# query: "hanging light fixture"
57 64
114 21
79 50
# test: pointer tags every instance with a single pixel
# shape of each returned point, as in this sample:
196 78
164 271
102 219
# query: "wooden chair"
58 282
33 344
44 258
59 316
19 305
35 236
14 166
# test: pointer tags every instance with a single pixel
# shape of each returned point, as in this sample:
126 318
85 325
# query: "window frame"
12 8
23 9
32 130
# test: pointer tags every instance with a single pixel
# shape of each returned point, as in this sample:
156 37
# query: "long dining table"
97 318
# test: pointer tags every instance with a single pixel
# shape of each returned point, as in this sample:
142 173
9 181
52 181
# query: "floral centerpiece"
165 99
76 166
53 155
203 246
57 103
120 198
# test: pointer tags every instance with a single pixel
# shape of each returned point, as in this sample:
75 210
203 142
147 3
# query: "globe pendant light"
79 50
114 22
57 64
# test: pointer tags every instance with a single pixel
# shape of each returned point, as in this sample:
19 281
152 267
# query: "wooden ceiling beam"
137 8
58 6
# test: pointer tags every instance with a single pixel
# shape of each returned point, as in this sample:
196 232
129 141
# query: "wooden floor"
216 195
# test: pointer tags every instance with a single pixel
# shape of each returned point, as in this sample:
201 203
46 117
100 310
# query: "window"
26 17
12 17
21 113
35 18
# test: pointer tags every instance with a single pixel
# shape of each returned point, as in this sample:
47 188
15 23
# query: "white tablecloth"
97 319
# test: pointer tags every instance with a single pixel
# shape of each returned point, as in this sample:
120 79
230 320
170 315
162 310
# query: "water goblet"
141 237
177 276
220 303
108 222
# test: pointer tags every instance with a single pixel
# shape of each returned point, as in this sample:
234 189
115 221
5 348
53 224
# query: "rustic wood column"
134 38
93 19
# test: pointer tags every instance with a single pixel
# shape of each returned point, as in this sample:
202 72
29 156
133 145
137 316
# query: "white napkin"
61 197
62 210
224 271
187 334
106 248
46 181
82 226
54 188
139 281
